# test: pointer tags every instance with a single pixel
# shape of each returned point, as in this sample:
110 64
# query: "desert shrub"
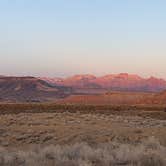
147 153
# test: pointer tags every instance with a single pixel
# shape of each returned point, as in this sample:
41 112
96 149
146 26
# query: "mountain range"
32 89
115 82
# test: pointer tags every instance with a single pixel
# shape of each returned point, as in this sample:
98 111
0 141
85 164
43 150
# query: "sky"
66 37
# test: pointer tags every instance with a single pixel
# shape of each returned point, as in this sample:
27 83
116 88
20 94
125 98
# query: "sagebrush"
147 153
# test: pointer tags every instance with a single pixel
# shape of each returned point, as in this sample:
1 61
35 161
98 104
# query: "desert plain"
61 134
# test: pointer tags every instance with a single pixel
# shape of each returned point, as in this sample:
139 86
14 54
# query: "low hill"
116 98
29 89
159 98
112 98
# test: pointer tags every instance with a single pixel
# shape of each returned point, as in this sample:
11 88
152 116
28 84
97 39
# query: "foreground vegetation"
49 134
147 153
153 111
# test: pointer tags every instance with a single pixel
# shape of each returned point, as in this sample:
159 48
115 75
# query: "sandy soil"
25 129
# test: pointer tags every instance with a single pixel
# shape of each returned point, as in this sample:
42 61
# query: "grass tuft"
148 153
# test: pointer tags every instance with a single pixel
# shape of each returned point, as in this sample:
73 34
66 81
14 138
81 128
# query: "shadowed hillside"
29 89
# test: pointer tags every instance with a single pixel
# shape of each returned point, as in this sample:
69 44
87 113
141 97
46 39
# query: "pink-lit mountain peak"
155 79
122 76
82 77
122 81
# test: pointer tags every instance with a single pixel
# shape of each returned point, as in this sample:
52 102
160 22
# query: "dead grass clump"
148 153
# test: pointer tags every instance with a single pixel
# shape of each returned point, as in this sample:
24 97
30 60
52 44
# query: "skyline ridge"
82 74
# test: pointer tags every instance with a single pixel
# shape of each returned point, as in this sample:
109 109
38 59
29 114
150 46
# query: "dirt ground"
26 129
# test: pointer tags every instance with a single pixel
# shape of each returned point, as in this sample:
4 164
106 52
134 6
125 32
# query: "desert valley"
83 120
82 83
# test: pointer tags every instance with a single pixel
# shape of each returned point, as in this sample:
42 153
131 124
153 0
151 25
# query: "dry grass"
148 153
153 111
48 107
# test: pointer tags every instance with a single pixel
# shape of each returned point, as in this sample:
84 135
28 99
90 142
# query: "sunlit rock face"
122 82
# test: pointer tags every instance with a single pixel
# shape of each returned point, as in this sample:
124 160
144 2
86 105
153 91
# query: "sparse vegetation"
154 111
148 153
50 134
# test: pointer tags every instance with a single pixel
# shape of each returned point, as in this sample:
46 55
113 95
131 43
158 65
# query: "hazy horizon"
62 38
77 74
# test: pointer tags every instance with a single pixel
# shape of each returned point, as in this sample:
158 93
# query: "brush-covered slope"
111 98
159 98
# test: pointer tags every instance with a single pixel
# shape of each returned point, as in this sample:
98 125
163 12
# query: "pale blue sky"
66 37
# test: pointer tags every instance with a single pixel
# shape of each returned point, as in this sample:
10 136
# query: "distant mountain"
29 89
118 82
80 81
